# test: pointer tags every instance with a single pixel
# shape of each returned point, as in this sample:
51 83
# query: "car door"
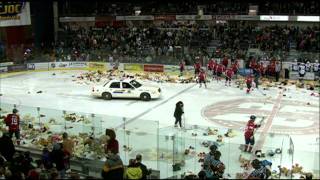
115 89
129 90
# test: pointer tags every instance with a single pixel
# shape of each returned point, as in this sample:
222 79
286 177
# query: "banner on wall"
3 69
153 67
37 66
97 65
20 67
165 18
133 67
6 64
134 18
193 17
14 13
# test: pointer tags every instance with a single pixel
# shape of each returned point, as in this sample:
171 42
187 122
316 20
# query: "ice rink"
292 111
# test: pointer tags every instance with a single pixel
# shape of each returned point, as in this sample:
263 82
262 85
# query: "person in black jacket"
6 146
145 170
57 156
178 113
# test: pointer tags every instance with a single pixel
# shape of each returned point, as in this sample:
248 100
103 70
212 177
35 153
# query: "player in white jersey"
302 70
308 66
294 66
316 66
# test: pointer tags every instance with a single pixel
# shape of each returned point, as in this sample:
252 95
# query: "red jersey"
250 129
197 66
225 62
13 121
181 66
229 73
220 68
253 64
249 80
211 64
235 67
202 76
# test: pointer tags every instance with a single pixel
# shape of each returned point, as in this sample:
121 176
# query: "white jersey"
302 69
308 67
316 67
294 67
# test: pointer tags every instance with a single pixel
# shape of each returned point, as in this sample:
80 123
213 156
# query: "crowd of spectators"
174 40
187 7
161 40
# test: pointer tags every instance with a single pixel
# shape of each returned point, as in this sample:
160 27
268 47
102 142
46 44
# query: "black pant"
178 119
277 76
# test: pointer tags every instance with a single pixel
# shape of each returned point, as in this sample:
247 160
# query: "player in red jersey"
13 122
235 67
182 67
225 61
249 83
249 133
210 65
219 69
197 67
229 73
202 78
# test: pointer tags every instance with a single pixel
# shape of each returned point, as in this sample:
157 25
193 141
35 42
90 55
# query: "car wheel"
106 96
145 97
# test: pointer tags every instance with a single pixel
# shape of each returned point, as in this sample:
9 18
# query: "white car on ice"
128 88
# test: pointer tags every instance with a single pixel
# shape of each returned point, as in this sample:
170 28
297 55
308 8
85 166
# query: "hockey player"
249 83
294 66
316 68
235 67
210 65
229 73
308 66
13 122
182 67
249 133
225 61
197 67
302 70
219 70
202 78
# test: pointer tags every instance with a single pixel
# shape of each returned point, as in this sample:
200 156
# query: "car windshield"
135 83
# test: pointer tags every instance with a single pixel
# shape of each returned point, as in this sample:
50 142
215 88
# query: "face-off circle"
290 120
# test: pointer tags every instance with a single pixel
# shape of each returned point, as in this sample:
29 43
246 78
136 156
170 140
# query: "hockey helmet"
316 61
253 117
15 111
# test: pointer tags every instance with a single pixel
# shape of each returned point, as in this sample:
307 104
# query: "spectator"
112 142
45 158
145 170
259 172
68 146
217 166
113 166
57 156
133 170
7 149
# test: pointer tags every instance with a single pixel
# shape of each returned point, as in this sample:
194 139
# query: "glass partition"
173 151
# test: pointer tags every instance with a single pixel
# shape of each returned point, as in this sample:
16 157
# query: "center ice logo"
287 122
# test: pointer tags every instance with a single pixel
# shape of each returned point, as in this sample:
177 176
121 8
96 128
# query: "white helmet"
295 60
316 61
